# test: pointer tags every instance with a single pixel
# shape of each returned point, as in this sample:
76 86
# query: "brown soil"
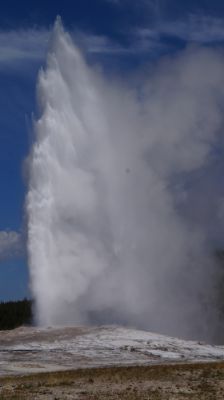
158 382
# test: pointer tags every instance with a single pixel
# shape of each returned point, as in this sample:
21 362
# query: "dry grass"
158 382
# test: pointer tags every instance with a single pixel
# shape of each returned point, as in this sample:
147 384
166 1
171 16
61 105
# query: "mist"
118 230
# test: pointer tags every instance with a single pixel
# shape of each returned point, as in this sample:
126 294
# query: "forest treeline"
15 313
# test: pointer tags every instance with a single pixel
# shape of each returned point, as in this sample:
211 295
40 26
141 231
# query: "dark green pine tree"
15 313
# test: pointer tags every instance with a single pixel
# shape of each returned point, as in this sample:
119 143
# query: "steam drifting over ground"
111 236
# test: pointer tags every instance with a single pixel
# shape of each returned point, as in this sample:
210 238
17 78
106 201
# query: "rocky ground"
184 381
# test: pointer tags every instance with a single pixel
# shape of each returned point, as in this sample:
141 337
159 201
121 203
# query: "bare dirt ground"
158 382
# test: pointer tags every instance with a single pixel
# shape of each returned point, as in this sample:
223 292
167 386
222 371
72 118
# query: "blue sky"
118 34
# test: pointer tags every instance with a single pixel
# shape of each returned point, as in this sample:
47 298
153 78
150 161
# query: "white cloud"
202 29
98 44
141 42
11 244
197 29
22 46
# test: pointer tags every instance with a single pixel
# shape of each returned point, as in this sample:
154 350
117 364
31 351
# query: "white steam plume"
107 240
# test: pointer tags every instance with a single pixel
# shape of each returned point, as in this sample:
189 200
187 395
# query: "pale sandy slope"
28 350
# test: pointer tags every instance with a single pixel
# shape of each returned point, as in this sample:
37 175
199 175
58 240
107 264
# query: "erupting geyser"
108 236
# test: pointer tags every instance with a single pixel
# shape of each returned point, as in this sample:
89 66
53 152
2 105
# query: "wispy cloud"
102 45
152 38
19 47
196 28
98 44
11 245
